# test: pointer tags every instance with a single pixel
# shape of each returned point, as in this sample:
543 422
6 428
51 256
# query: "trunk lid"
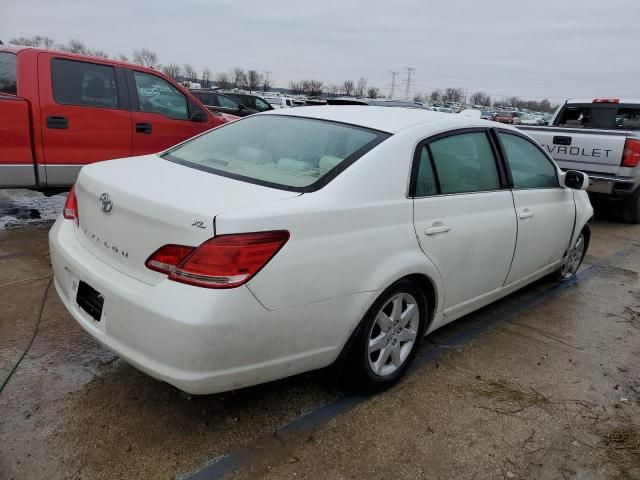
154 202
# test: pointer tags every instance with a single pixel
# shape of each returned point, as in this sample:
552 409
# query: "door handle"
144 128
57 123
526 213
437 228
561 140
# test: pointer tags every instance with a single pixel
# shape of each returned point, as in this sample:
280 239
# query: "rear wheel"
388 338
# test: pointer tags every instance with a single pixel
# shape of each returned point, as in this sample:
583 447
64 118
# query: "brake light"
631 155
606 100
167 258
70 211
225 261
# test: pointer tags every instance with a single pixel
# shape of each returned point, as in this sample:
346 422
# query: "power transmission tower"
393 84
410 70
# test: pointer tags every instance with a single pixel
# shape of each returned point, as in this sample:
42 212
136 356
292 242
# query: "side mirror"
241 107
576 180
198 116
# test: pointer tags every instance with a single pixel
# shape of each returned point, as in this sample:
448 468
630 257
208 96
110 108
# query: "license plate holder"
90 300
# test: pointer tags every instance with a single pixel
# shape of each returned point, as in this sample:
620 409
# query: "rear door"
163 115
84 113
463 215
545 210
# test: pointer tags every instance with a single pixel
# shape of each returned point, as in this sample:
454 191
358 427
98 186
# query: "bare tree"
206 77
297 87
373 92
74 46
313 88
172 70
347 87
222 80
238 77
253 80
435 96
480 98
122 57
97 53
266 83
35 41
360 88
418 98
146 58
334 89
452 94
189 72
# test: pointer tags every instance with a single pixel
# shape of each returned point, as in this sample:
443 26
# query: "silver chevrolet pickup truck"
600 137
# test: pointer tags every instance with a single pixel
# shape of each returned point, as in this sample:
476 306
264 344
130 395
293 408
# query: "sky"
532 49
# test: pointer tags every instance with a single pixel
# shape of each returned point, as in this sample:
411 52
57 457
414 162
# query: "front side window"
226 102
159 96
284 152
465 163
83 83
530 168
8 73
261 105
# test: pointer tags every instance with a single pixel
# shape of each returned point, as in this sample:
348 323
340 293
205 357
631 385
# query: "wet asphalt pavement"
542 384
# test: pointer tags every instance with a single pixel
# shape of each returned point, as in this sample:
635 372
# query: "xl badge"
105 202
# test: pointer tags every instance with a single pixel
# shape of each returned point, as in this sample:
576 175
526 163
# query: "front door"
162 118
464 217
84 114
545 210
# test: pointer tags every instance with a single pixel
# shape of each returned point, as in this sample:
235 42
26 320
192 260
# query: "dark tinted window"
206 98
261 105
8 75
83 83
227 102
465 163
608 116
530 168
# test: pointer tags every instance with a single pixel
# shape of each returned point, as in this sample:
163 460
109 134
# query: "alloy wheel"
573 259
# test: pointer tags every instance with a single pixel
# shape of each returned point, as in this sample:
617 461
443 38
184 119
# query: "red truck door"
163 115
85 114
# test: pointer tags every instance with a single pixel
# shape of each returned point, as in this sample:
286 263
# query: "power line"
409 70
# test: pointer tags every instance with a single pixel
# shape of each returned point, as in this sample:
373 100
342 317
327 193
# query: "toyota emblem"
105 202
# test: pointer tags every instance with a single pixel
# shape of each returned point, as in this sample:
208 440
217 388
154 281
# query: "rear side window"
227 102
530 168
8 73
425 180
465 163
292 153
159 96
606 116
83 83
261 105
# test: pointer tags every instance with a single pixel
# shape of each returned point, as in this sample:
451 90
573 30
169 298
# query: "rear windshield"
290 153
607 116
8 73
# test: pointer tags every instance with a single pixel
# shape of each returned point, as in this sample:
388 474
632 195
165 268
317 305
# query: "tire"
633 210
392 351
574 257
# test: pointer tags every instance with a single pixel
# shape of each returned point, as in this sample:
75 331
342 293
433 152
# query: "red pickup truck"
60 111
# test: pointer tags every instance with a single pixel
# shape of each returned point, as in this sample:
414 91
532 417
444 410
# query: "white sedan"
296 239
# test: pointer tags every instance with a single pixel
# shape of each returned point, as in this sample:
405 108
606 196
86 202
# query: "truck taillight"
631 155
606 100
225 261
70 211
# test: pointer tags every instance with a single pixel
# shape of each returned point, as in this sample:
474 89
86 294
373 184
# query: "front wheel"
574 257
388 339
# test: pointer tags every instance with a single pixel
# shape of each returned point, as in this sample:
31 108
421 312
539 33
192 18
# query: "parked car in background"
600 137
530 119
254 102
284 102
486 114
507 117
60 111
219 102
226 266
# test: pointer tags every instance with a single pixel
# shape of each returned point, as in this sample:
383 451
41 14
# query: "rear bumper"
199 340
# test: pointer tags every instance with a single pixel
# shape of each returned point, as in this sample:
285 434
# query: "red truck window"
158 96
84 83
8 77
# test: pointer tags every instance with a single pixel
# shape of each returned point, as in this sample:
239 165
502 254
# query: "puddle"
19 208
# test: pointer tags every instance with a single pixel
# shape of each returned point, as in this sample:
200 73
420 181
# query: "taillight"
606 100
631 155
70 211
225 261
167 258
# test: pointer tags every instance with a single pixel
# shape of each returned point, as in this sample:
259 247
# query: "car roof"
590 100
385 119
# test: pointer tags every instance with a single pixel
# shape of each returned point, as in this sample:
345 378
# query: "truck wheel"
633 211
